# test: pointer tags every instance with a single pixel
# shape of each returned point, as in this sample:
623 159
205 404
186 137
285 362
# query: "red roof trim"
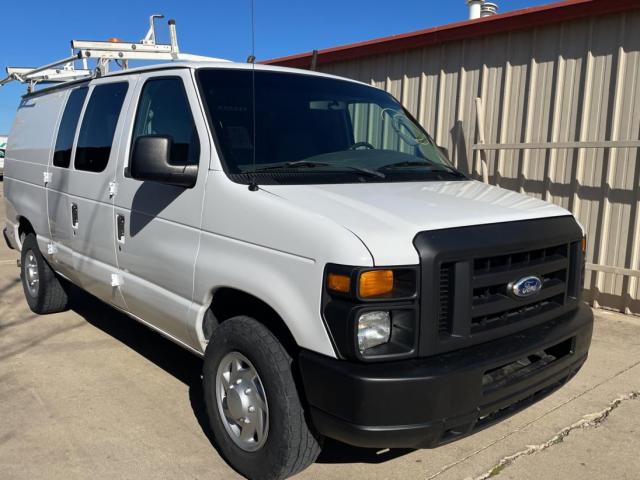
506 22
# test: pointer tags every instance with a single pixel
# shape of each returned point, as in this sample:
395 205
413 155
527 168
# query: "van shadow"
187 368
176 361
334 452
150 199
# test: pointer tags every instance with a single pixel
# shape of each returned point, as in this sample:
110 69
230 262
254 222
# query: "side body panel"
162 230
27 158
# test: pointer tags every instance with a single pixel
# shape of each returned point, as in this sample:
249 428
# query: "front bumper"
426 402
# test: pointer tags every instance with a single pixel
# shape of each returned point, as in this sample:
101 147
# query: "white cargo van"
306 237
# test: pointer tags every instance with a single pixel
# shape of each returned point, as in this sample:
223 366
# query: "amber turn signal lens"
584 245
375 283
338 283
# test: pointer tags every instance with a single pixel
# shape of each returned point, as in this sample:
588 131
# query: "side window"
98 126
67 129
164 110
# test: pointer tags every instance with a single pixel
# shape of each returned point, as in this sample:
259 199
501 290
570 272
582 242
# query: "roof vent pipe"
475 7
489 9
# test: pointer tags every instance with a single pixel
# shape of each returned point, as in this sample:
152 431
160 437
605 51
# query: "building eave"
507 22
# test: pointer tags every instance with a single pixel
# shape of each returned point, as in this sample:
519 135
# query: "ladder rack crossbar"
114 55
25 77
103 52
50 74
119 46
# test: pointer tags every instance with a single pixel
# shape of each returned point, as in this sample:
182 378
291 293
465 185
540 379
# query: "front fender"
289 284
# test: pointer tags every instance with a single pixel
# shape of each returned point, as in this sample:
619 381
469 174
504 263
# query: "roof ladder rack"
103 53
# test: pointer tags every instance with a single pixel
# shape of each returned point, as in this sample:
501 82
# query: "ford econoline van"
305 236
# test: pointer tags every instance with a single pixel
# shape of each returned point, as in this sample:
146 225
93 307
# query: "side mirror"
444 151
150 161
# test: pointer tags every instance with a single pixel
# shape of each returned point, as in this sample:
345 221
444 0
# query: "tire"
47 294
289 445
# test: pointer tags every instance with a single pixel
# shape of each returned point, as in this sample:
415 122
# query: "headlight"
371 313
374 328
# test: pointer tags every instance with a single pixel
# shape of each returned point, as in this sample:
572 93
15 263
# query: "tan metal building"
548 97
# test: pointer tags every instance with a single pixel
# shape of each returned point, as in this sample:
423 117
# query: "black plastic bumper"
427 402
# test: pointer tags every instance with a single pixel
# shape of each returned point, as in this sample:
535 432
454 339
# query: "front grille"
467 273
446 298
491 304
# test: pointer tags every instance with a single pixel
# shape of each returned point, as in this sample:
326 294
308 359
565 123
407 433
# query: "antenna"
253 28
253 185
103 52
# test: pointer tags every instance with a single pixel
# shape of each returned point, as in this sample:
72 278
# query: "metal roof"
505 22
222 64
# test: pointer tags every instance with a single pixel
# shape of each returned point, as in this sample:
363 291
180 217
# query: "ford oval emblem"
525 287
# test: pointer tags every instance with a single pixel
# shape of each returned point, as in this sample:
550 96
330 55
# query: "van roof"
221 64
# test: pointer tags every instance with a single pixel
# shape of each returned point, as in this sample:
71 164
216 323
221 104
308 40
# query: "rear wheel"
252 402
43 290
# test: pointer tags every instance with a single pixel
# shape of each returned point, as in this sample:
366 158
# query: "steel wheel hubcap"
242 403
31 273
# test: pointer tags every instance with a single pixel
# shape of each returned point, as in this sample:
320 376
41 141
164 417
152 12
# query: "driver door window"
164 110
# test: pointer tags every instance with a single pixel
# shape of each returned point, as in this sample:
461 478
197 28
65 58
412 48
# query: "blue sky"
37 32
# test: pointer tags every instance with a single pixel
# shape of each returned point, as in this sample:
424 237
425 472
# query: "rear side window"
164 110
98 126
68 126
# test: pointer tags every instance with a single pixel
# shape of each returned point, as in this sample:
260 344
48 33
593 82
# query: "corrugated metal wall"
574 81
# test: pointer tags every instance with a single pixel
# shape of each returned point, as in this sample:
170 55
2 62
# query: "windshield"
311 129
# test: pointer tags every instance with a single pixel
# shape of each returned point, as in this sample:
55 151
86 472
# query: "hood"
387 216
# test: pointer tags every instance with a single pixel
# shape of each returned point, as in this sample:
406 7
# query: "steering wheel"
357 145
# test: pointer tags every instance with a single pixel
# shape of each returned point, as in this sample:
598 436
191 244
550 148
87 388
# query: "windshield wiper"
311 164
285 165
417 163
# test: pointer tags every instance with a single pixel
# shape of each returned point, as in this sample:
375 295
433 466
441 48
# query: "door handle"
120 228
74 215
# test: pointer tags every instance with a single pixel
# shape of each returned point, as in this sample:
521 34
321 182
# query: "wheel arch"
228 302
24 228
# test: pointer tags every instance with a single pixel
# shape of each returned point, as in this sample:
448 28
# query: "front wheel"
254 409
